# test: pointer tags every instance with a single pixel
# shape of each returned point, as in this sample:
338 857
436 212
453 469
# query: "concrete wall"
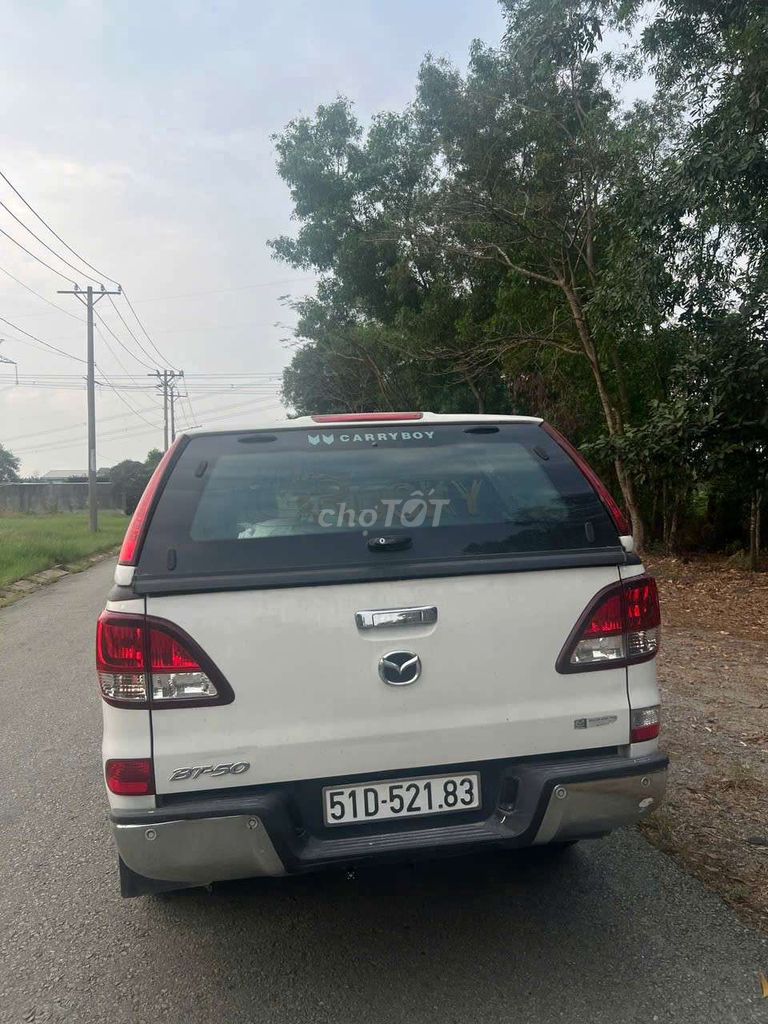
52 497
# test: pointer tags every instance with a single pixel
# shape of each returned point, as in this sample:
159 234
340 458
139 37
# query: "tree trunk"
476 392
677 501
612 415
754 530
629 493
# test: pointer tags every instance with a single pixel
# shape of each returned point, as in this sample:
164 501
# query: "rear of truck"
373 637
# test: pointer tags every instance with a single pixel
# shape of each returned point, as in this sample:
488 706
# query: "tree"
9 466
153 458
546 177
128 480
516 240
512 208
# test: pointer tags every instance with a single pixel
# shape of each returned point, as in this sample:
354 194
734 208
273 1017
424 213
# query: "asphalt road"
614 933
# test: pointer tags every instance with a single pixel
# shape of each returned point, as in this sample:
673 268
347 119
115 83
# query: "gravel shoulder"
713 672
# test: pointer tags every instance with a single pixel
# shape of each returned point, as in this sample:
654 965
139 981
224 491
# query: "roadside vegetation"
31 543
524 238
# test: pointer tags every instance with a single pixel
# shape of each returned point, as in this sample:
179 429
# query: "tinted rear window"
303 500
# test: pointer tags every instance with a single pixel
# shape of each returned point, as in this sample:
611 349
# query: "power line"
118 360
119 434
267 400
218 327
125 401
46 246
221 291
123 321
42 297
203 379
47 225
163 360
122 344
70 427
76 426
40 341
75 385
48 266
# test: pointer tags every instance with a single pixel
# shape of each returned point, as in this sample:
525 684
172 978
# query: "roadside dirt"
713 671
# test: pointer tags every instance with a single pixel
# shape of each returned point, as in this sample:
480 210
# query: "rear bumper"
274 830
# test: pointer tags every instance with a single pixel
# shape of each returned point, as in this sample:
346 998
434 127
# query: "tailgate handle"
385 618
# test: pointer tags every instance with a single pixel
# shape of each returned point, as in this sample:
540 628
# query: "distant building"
60 476
65 476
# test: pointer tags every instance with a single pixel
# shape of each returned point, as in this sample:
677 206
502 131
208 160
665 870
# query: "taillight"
613 508
141 660
621 626
120 659
130 776
177 672
644 724
137 528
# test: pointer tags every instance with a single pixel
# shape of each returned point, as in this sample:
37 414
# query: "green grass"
31 543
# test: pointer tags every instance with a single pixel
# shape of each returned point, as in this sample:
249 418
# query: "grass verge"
31 543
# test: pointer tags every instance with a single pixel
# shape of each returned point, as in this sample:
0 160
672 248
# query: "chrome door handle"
385 618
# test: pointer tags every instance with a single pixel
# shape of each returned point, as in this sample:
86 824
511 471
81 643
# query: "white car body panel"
309 702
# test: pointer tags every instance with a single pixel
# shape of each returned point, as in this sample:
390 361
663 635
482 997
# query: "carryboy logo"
372 437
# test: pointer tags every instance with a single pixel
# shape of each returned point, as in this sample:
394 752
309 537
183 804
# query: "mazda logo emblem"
399 668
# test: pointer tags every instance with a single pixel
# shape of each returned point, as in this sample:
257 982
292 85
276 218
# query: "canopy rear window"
352 500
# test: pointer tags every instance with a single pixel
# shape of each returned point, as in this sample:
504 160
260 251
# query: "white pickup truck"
371 636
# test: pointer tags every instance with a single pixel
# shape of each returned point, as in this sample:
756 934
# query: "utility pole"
165 382
173 395
89 298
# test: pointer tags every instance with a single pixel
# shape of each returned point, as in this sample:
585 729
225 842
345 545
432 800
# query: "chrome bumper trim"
199 850
578 809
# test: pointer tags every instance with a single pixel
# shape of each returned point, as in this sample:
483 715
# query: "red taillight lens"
607 620
614 510
641 602
620 627
645 724
366 417
130 776
168 653
137 528
119 644
120 659
139 658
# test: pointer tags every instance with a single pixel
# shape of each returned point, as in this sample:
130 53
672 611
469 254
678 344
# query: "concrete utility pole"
165 382
89 298
173 395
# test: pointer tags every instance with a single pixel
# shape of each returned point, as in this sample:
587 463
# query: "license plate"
401 798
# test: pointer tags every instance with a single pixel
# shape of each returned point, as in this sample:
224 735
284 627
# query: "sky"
141 133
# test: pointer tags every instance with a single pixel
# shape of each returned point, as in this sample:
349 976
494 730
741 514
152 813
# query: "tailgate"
310 702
